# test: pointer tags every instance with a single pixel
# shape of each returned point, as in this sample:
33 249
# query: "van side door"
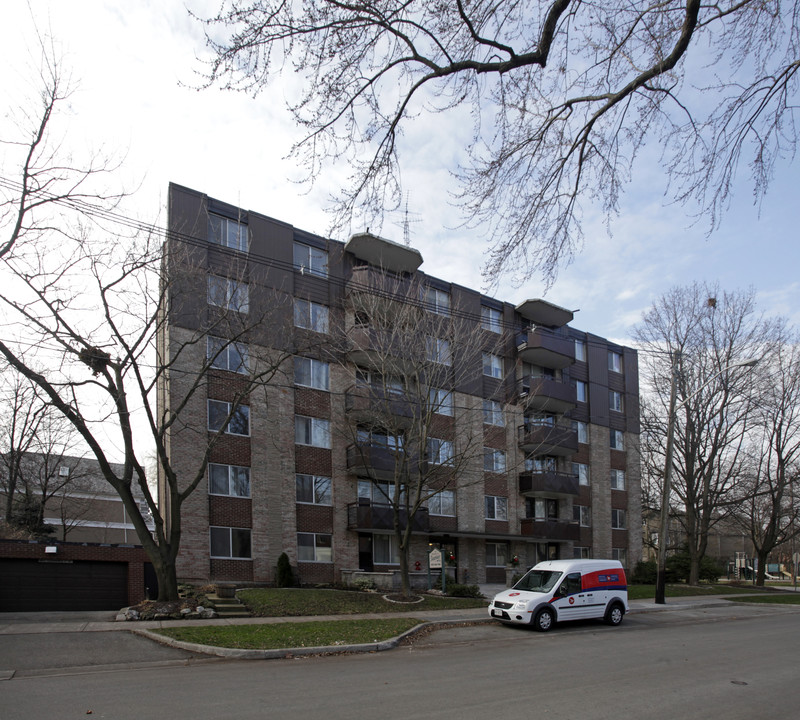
569 599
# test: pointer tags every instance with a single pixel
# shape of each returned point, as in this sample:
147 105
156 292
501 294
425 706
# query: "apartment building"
336 388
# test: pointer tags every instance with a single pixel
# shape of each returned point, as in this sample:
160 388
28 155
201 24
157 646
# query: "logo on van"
608 578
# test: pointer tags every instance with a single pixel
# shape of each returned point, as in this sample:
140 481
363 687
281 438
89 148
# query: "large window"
617 440
582 429
494 460
541 464
493 413
582 514
615 402
617 479
228 233
239 422
313 489
312 431
385 550
373 492
491 319
379 438
620 554
311 373
492 365
496 507
496 554
231 480
581 553
618 519
310 315
226 355
438 350
441 401
310 260
543 508
582 471
440 452
437 301
443 503
581 391
230 542
580 351
614 361
314 547
228 293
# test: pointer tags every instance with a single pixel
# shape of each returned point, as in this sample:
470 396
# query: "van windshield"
538 581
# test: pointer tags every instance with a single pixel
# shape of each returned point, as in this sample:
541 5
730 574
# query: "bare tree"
708 332
87 299
564 96
768 511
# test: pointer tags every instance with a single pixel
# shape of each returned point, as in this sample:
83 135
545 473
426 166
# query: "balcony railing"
550 530
548 439
548 482
544 348
379 462
546 395
363 516
375 402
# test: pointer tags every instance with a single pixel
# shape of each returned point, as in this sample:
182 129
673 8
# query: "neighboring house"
558 476
81 506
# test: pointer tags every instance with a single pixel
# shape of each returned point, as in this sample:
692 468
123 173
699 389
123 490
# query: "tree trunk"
761 573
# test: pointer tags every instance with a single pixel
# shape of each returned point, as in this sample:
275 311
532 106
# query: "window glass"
494 460
582 429
311 260
239 423
385 550
311 373
492 365
441 401
437 301
443 503
491 319
614 361
230 480
310 315
496 508
617 440
496 554
615 401
228 293
314 489
617 479
228 233
582 471
312 431
580 351
493 413
438 350
581 391
229 542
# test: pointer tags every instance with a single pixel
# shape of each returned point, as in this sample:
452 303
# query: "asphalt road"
733 662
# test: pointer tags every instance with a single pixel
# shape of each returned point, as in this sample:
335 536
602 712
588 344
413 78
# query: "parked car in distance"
559 590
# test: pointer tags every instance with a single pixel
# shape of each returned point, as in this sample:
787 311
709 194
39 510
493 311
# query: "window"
226 232
385 550
441 401
311 373
543 509
228 293
496 554
541 464
230 542
582 514
379 438
63 471
491 319
379 493
617 519
583 431
582 471
496 507
311 260
617 440
440 452
443 503
313 489
438 350
614 361
580 351
226 355
437 301
493 413
615 401
312 431
540 419
581 391
494 460
310 315
239 423
617 479
581 553
620 554
492 365
229 480
314 547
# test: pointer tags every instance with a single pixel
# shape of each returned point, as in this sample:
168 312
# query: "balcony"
384 254
556 439
385 349
546 395
548 483
363 516
372 403
544 348
551 530
379 462
373 282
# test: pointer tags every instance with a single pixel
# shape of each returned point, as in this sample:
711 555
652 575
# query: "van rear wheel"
614 614
544 620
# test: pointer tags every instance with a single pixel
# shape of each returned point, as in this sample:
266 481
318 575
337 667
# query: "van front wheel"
614 614
544 620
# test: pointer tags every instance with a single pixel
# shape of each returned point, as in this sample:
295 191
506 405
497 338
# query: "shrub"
284 577
363 584
645 573
679 565
470 591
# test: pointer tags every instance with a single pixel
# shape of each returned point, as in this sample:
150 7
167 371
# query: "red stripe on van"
611 579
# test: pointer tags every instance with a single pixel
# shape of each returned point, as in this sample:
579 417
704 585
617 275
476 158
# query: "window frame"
310 315
441 401
493 413
582 430
224 348
615 481
233 290
438 499
619 519
580 350
615 362
316 480
584 472
494 364
490 460
231 480
436 300
582 514
312 364
498 505
491 319
437 350
581 391
313 423
391 546
231 545
242 232
616 401
440 451
310 267
616 440
316 548
226 430
497 557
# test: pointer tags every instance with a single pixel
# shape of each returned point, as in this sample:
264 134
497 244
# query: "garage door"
31 585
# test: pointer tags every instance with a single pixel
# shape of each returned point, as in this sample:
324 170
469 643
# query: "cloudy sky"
134 67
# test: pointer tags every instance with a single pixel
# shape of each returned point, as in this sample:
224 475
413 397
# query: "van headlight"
521 605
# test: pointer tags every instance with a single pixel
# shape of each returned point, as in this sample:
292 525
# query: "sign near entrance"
435 559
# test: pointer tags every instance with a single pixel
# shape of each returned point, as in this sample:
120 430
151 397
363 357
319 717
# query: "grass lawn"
789 598
293 602
293 634
648 592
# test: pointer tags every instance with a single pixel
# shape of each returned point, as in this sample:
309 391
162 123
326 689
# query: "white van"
559 590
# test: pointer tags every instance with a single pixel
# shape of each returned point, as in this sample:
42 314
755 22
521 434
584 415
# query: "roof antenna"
408 218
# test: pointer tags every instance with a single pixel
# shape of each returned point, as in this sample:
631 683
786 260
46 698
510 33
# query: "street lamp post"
661 573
